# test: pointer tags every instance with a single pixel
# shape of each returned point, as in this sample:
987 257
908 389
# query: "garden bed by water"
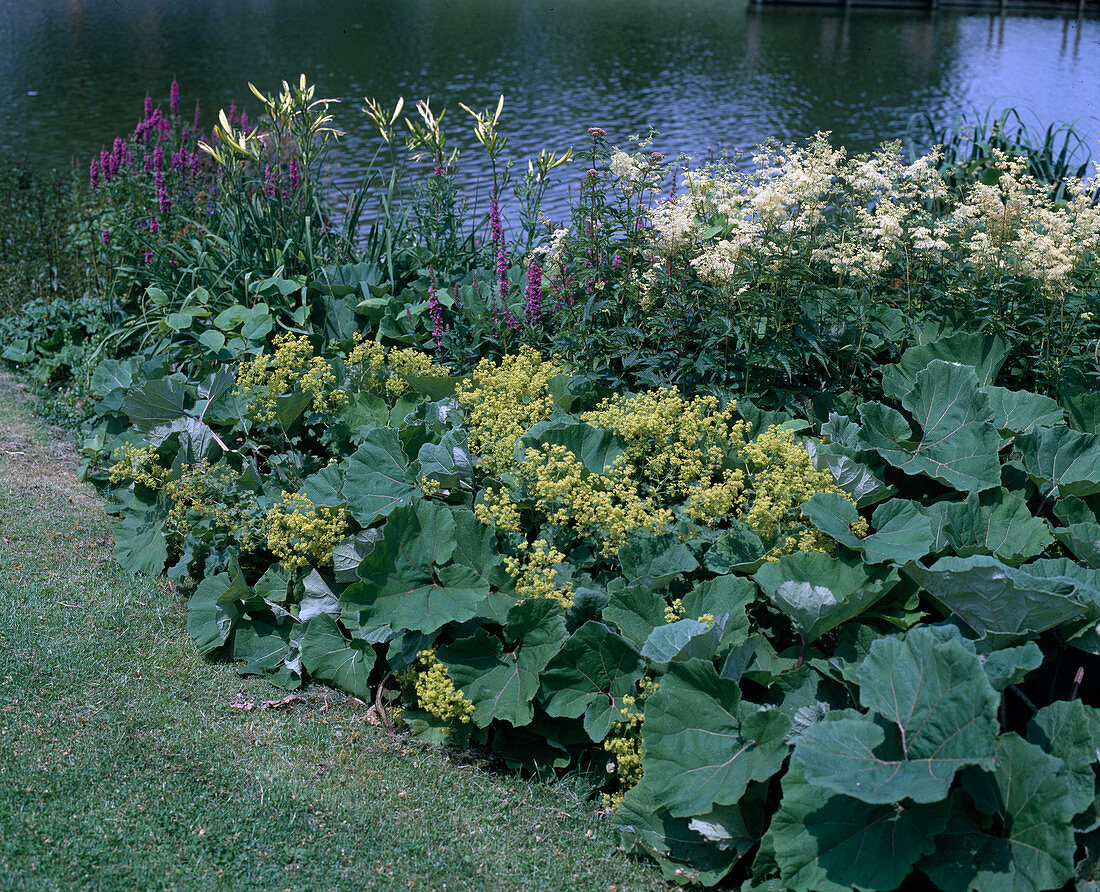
773 488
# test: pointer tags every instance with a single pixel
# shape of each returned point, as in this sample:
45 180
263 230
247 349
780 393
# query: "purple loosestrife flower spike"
174 99
198 116
148 256
105 236
532 299
158 158
496 230
93 175
244 120
154 225
295 175
435 310
269 181
120 154
162 193
502 274
148 107
232 116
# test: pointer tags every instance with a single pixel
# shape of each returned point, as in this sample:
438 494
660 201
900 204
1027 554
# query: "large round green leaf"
682 851
994 598
499 677
826 842
932 711
958 442
902 533
699 748
407 580
329 656
378 478
1061 461
213 610
1070 730
1021 840
589 676
996 522
984 353
819 592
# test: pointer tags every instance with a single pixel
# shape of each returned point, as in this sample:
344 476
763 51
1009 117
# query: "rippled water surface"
705 74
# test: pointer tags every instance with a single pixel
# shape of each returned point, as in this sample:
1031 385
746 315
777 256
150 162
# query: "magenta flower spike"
198 116
93 176
532 298
496 230
120 154
295 175
163 200
148 107
174 99
435 310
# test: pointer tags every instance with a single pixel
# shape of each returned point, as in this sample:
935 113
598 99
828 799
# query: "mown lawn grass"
125 765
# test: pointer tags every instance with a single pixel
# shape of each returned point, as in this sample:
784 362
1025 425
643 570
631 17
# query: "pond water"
707 74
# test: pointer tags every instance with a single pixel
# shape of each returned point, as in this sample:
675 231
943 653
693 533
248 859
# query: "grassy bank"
126 760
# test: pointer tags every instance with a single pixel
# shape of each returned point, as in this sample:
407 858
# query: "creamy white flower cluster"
856 216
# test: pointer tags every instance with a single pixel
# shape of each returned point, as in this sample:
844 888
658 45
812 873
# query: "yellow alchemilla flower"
781 476
138 463
387 372
503 401
435 691
292 368
206 492
536 574
624 741
297 530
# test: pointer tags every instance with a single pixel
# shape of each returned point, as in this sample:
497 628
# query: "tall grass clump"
37 260
1054 156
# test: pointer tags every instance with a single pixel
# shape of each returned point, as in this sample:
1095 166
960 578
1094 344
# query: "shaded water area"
706 74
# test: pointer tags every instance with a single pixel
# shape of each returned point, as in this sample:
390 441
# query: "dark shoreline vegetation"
772 485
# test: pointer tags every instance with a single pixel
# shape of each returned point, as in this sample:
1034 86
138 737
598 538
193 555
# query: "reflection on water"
706 73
